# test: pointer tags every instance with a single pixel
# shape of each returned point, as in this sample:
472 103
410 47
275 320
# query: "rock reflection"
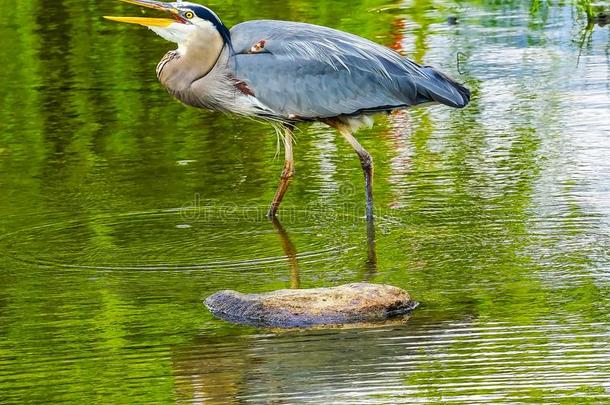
212 370
305 366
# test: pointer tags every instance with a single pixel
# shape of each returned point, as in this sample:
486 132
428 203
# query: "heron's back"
312 72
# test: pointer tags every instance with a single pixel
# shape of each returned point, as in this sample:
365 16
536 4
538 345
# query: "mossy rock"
346 304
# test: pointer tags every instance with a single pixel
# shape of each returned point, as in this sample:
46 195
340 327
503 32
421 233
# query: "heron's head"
186 20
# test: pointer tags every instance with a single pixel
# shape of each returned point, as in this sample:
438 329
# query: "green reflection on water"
486 215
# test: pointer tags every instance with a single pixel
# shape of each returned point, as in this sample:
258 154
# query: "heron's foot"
285 179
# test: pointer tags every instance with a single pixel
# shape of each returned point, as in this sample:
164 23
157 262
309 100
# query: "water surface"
122 210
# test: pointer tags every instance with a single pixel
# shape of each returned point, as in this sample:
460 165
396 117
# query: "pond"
123 209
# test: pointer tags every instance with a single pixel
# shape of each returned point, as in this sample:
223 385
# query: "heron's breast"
167 58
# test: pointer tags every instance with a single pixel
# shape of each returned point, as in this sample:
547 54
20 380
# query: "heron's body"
289 72
302 72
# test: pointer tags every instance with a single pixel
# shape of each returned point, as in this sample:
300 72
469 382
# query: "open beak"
150 22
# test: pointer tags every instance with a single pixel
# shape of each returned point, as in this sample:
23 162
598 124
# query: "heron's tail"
443 89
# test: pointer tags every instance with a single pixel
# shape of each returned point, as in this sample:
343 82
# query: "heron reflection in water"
290 251
289 72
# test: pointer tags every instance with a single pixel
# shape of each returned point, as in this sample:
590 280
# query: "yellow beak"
147 22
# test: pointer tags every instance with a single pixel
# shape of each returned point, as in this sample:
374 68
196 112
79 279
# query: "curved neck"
193 59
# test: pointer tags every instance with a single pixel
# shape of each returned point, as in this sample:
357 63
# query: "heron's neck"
193 59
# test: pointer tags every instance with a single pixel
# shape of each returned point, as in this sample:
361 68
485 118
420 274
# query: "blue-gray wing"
309 71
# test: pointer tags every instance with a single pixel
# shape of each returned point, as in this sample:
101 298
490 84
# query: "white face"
175 32
184 25
181 32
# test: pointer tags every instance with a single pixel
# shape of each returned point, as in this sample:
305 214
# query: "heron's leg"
287 173
366 160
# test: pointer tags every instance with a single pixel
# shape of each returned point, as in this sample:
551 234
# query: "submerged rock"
350 303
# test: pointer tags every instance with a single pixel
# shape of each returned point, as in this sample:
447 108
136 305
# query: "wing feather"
313 72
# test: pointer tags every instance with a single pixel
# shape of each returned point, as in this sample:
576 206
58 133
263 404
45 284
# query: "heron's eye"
189 15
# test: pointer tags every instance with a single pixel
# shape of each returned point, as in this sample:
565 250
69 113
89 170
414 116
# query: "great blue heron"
289 72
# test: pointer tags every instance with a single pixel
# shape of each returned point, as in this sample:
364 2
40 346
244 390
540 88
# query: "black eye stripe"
205 13
208 15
